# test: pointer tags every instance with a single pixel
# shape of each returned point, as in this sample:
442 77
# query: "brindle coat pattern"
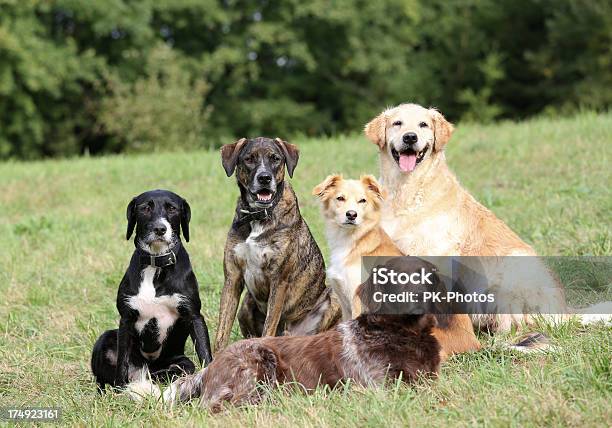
276 258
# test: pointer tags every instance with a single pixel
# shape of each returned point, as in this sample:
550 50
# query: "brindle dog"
270 250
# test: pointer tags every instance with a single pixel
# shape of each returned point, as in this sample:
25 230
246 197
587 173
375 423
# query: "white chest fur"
163 308
342 277
253 256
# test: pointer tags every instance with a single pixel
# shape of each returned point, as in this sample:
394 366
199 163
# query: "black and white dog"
158 299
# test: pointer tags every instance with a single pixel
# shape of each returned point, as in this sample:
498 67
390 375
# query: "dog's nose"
410 138
160 230
264 178
351 215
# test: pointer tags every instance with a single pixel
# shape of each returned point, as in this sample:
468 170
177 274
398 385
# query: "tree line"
107 76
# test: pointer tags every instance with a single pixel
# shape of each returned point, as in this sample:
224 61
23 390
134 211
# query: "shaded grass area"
63 255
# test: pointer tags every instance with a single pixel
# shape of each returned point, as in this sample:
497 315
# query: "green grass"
63 253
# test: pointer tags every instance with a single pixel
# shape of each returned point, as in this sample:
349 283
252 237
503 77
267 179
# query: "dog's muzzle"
263 188
153 239
263 196
153 243
407 157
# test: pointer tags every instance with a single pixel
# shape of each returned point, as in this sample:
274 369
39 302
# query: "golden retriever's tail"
598 313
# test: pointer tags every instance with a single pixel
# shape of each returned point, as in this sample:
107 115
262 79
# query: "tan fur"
428 212
348 244
430 201
456 337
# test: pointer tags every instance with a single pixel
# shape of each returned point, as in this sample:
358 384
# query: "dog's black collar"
160 261
247 216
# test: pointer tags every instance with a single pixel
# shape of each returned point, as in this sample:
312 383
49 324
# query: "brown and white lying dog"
368 350
429 214
352 210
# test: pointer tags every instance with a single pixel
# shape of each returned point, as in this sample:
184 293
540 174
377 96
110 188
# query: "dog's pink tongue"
407 162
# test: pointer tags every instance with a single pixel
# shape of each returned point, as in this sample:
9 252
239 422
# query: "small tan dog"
429 214
352 211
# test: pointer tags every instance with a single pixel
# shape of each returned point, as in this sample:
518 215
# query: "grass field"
63 254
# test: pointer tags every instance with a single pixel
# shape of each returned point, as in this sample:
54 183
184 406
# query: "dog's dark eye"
249 159
145 209
361 201
275 158
423 125
171 209
397 123
340 198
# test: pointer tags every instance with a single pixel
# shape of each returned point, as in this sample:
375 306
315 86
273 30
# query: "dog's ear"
373 186
426 322
185 219
443 129
323 189
267 365
229 155
292 154
363 295
131 218
376 129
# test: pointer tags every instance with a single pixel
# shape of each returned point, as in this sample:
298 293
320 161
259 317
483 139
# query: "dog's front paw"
143 387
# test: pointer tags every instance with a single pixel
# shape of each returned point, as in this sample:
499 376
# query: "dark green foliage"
102 76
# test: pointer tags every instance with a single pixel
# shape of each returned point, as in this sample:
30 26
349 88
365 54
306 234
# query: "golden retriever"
428 213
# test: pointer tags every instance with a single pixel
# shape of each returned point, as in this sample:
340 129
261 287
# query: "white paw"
169 396
142 387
